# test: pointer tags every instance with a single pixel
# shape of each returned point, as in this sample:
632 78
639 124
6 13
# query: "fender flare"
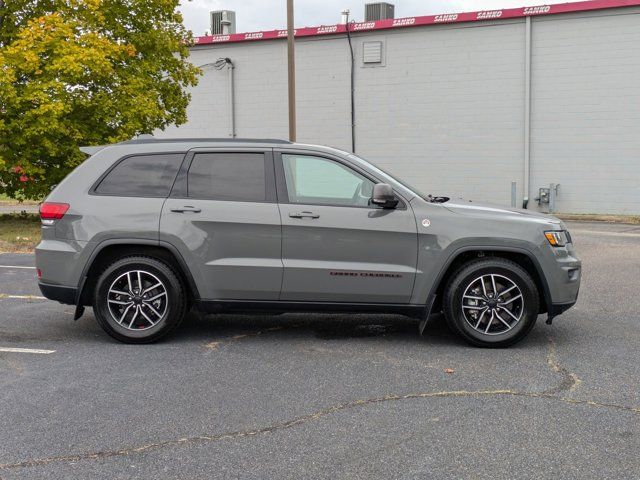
132 241
546 292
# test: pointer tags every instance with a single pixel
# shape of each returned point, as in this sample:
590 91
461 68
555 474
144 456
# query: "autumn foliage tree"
84 72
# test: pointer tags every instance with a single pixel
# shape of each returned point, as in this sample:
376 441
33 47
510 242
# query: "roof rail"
151 139
92 150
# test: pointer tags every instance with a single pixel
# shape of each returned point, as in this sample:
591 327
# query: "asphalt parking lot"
316 396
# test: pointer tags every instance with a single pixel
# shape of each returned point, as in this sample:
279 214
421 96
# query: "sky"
254 15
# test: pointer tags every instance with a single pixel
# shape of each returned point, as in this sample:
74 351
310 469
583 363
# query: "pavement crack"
213 345
300 420
568 381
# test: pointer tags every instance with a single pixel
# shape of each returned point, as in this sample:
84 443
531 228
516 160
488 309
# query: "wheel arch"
110 250
522 257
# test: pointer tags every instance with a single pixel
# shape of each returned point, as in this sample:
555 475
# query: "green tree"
84 72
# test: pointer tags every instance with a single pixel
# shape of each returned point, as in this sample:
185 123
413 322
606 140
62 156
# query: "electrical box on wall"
548 196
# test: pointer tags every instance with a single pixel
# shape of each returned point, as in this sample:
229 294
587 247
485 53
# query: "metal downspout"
353 89
232 103
527 112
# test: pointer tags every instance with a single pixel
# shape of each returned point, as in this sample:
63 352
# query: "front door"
335 246
223 217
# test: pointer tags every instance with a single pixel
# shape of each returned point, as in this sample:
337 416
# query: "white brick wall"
586 110
260 93
323 91
446 111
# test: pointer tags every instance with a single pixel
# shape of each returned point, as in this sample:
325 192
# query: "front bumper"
563 270
563 280
66 295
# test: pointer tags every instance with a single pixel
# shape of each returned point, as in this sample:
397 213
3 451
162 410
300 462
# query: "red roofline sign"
423 20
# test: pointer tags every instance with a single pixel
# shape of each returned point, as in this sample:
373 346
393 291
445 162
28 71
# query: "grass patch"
19 232
594 217
7 200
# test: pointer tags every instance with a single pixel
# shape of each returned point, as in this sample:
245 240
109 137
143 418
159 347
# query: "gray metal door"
335 247
223 218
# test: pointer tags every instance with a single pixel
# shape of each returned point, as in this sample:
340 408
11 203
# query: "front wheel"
139 300
491 302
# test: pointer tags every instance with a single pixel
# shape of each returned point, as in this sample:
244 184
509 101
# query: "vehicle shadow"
202 329
222 327
335 327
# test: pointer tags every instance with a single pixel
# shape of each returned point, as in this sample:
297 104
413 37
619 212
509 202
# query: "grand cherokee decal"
365 274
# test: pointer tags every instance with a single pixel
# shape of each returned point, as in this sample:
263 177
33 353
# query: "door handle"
185 209
303 215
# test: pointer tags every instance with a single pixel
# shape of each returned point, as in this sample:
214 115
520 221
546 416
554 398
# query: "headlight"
558 238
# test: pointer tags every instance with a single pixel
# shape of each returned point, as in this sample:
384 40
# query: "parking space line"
15 266
26 350
21 297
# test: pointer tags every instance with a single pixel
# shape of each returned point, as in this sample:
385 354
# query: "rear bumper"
66 295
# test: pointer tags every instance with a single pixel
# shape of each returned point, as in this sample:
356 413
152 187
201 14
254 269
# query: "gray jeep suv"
146 229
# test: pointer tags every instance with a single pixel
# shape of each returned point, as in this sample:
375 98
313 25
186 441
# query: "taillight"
52 211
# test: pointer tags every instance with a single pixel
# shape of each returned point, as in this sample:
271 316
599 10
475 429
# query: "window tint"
228 176
315 180
142 176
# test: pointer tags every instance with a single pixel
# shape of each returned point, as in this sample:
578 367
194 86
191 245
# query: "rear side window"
142 176
228 176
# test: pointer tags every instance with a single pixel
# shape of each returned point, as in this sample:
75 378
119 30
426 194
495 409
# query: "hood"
473 208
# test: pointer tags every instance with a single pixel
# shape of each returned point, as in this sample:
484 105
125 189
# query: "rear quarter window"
228 176
142 176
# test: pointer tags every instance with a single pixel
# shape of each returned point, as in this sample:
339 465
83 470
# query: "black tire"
167 315
460 319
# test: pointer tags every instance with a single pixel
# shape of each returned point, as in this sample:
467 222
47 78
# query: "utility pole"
291 65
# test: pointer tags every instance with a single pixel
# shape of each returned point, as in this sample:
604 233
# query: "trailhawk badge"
426 222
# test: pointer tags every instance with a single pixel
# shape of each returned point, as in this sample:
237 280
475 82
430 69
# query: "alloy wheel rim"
137 300
492 304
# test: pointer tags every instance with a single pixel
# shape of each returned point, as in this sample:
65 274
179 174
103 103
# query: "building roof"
408 22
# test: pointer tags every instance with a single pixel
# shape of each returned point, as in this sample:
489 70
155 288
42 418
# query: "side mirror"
383 196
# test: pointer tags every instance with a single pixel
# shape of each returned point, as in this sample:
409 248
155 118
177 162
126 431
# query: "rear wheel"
491 302
139 300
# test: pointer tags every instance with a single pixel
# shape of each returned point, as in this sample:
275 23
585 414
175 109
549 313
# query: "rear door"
223 217
335 246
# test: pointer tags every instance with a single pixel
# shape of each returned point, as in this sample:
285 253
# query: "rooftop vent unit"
223 22
378 11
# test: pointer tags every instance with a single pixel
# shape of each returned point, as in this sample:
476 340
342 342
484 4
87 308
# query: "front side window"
228 176
142 176
316 180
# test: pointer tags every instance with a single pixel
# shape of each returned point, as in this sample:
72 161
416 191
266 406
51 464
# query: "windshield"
386 174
